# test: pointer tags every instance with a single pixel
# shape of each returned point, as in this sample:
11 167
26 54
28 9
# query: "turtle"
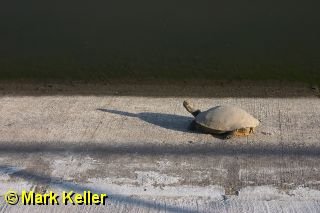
225 120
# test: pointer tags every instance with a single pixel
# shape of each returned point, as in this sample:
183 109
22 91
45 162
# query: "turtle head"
190 109
186 103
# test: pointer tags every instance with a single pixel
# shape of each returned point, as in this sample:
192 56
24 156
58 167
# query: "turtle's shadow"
168 121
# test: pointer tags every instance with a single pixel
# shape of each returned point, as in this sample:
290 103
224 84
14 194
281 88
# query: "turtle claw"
224 136
228 135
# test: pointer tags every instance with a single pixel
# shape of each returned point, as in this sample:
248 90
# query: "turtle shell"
226 118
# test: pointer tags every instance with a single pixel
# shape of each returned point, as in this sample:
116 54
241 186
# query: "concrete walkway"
140 152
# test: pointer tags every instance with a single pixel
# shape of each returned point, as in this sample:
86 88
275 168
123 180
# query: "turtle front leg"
193 126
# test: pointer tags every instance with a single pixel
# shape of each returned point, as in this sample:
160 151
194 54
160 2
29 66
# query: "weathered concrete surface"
139 151
161 88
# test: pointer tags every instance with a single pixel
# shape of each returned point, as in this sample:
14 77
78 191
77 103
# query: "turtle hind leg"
243 132
190 109
238 132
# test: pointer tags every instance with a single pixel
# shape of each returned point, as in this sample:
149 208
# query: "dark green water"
100 40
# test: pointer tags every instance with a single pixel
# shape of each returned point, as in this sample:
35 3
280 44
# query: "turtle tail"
190 109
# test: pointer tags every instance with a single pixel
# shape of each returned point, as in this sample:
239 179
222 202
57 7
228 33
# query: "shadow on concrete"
167 121
70 186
